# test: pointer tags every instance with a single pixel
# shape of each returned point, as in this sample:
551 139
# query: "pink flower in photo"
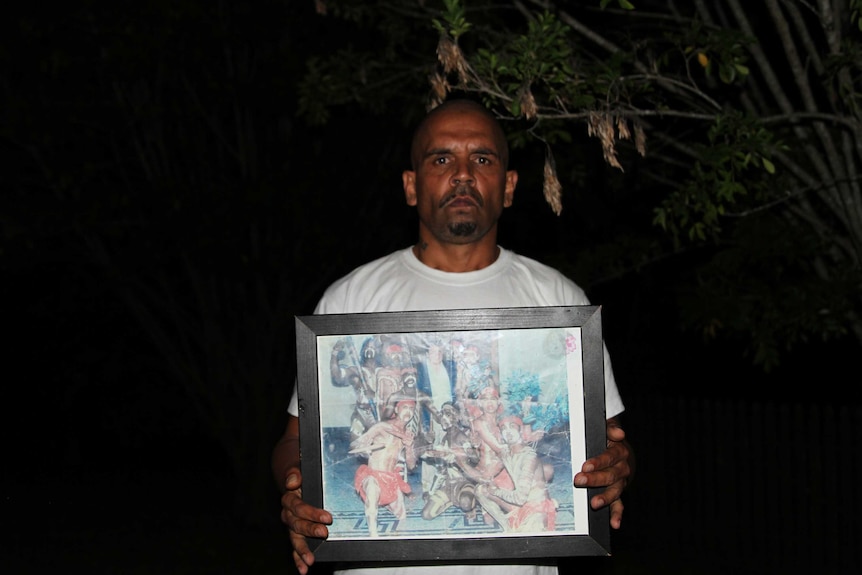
571 344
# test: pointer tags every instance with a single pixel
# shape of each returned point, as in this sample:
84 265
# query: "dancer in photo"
453 457
382 481
527 507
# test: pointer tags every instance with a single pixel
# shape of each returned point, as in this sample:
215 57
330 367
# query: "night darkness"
166 213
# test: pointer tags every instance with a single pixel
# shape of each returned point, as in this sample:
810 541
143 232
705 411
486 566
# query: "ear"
511 183
408 180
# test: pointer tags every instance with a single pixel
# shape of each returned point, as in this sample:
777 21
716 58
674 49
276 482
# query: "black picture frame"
572 383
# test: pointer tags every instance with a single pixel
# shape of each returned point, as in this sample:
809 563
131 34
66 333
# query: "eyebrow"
479 151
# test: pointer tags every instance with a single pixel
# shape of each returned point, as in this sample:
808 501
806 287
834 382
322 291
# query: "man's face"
511 433
459 184
405 412
368 352
490 404
448 418
395 356
408 378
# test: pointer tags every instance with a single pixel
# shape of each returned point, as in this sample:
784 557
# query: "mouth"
462 197
461 203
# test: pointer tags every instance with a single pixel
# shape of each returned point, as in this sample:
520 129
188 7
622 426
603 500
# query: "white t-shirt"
400 282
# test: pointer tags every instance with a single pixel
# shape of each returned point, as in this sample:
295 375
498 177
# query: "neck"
458 258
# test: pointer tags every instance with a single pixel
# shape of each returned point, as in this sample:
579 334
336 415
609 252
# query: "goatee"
462 229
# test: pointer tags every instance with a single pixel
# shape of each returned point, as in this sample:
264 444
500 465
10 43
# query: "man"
439 376
459 184
361 376
489 441
453 456
409 390
528 506
380 481
390 374
471 374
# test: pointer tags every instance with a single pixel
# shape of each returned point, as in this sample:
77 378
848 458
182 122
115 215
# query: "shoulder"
547 280
350 293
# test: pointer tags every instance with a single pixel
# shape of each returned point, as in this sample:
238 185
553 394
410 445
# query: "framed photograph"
452 435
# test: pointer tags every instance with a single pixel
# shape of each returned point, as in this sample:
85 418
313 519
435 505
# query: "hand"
303 520
611 469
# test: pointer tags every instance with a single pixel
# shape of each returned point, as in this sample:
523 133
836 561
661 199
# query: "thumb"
293 480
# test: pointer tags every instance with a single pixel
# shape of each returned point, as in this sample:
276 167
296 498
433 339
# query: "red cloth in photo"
521 514
390 483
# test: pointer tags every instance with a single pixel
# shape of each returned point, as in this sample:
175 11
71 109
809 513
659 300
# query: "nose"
462 173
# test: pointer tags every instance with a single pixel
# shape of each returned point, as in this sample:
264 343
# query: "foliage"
730 166
520 385
523 390
777 262
370 70
750 109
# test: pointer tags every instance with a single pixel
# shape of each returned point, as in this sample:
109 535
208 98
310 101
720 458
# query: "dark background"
156 170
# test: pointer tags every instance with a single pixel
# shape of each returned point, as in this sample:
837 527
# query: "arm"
463 450
486 474
482 429
426 402
366 440
613 469
409 451
523 477
302 519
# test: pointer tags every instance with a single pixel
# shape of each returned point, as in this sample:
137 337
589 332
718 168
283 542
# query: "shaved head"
459 106
459 182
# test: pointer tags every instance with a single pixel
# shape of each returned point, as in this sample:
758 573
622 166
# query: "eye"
484 160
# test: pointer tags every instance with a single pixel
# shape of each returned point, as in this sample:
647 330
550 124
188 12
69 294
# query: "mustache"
460 191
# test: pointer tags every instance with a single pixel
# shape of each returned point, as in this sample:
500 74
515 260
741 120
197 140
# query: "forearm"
512 496
285 454
517 496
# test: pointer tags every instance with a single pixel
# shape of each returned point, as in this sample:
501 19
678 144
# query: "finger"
301 565
609 495
595 465
301 549
615 454
293 480
304 527
303 557
613 478
615 432
617 513
594 476
294 506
